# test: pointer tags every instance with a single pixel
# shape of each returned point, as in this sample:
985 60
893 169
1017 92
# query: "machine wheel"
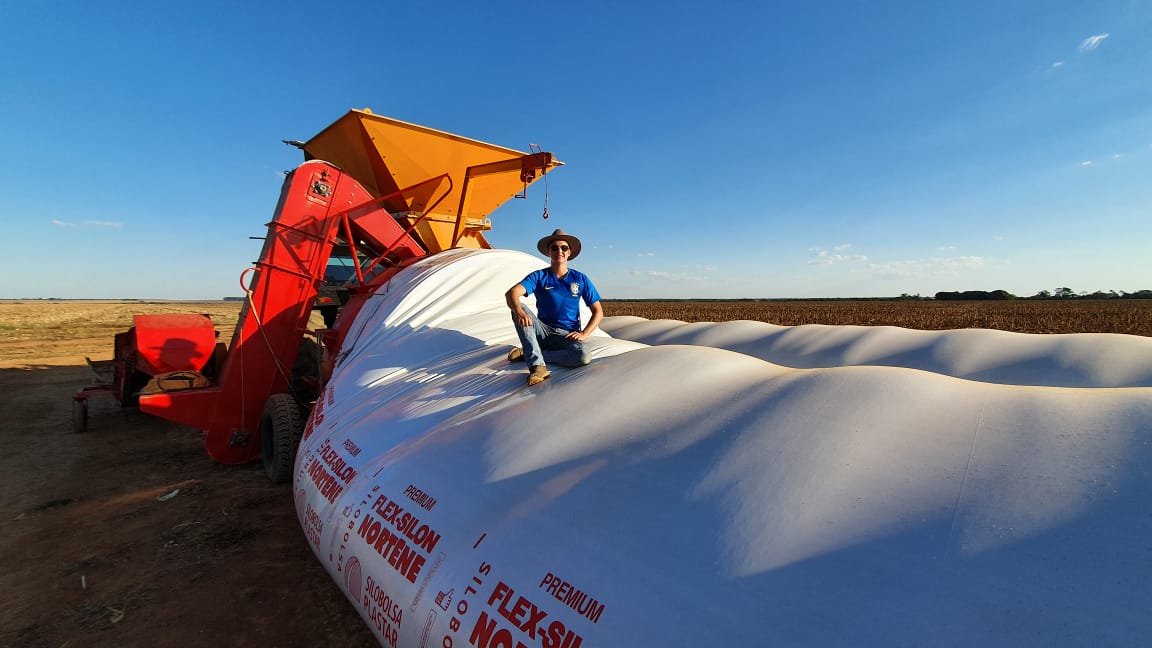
79 415
306 372
281 426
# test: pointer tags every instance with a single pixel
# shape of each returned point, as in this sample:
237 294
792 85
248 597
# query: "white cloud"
946 248
825 257
647 254
1092 42
667 276
90 223
1114 156
1056 65
923 268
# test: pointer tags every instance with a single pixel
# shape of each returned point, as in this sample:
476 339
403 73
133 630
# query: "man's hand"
513 298
597 315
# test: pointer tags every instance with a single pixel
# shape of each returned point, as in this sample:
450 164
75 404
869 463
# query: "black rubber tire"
79 415
281 426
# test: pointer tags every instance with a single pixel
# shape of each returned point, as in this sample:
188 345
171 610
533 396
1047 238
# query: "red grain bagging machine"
385 193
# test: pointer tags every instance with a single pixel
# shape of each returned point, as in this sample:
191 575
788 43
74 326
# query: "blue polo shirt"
558 300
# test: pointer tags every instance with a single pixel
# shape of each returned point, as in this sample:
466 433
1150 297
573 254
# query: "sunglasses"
562 248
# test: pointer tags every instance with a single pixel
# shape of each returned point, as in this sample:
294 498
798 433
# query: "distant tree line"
1059 293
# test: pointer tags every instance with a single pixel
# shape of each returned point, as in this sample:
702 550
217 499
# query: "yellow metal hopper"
444 185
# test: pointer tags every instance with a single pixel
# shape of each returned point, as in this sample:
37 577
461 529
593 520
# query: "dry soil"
129 534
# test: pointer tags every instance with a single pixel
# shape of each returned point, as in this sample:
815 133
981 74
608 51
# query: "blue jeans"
543 343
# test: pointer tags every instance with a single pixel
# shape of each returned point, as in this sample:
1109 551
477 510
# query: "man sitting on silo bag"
554 333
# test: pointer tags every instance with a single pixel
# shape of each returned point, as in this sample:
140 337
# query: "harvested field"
1128 316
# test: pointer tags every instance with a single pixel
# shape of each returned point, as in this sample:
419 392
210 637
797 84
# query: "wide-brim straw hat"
559 235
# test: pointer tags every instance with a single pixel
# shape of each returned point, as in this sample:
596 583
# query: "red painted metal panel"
173 342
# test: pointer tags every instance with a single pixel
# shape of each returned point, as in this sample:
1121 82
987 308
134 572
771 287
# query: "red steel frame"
317 202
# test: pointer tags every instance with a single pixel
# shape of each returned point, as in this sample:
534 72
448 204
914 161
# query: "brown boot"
515 354
538 375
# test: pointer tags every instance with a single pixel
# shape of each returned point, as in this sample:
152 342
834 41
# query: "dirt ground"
129 534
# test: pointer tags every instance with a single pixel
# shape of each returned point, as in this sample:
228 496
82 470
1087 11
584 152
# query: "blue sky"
722 149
